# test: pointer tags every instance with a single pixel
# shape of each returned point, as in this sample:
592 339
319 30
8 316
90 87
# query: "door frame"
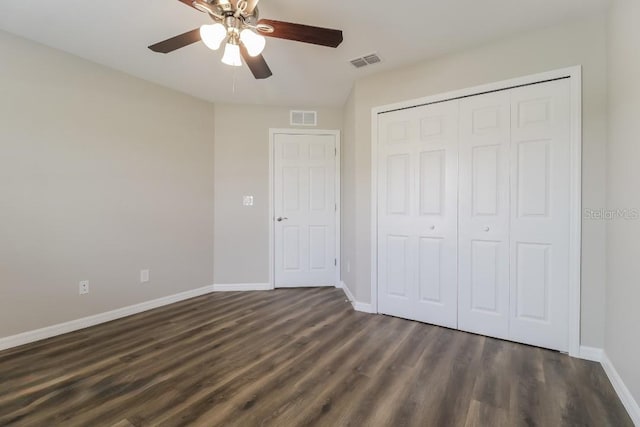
575 216
279 131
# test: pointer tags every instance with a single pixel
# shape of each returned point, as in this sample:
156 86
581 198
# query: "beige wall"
623 269
566 45
101 175
347 193
242 168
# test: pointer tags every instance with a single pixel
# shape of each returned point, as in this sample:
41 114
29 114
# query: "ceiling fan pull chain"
233 82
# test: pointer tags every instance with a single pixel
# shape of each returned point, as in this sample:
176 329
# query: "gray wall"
101 175
347 193
579 43
623 269
242 168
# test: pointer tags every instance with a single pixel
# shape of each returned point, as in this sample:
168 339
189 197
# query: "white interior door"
485 123
305 210
540 207
417 213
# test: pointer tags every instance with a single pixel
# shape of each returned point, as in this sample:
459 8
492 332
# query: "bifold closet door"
473 213
417 213
485 122
540 193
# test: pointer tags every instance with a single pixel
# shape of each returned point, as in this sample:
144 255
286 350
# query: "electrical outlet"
83 288
144 276
247 201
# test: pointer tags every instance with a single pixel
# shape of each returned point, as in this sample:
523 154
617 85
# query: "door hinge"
335 151
335 262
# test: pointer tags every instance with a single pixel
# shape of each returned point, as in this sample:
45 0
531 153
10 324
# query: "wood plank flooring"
294 357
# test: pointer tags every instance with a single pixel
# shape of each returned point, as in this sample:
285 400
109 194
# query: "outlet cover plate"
83 287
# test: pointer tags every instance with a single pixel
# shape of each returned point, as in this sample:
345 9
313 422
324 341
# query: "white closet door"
484 214
417 213
540 191
304 199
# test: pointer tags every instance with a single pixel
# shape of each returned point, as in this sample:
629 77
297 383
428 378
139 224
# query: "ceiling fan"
237 22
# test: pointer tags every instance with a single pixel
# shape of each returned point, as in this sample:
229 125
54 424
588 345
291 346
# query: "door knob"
280 218
487 229
433 227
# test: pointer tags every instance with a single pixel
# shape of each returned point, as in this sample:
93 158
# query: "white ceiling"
116 33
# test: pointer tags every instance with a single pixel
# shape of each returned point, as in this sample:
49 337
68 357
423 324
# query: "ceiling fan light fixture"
213 35
232 55
254 43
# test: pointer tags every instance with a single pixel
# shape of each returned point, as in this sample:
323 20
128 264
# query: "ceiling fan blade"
256 64
177 42
188 3
303 33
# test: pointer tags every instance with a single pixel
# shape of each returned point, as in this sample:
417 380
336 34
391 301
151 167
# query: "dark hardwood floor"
296 357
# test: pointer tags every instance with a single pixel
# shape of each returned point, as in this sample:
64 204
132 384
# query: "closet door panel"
540 193
484 214
417 213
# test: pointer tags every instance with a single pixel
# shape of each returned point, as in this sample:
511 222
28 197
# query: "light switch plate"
144 276
247 201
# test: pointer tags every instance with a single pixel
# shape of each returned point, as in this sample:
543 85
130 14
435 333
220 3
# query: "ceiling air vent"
366 60
359 62
372 59
304 118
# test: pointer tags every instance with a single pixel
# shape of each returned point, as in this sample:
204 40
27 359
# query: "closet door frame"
575 236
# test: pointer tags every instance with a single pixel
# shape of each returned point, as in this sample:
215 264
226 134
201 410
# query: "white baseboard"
598 355
85 322
357 306
621 389
591 353
242 287
363 307
347 291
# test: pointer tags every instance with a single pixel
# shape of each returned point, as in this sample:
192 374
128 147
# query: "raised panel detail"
430 257
398 132
484 275
534 112
397 265
485 119
291 189
290 151
485 163
291 247
432 179
317 189
430 127
533 178
317 247
398 184
317 151
532 281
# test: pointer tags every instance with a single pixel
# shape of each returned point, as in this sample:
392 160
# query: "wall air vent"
303 118
366 60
